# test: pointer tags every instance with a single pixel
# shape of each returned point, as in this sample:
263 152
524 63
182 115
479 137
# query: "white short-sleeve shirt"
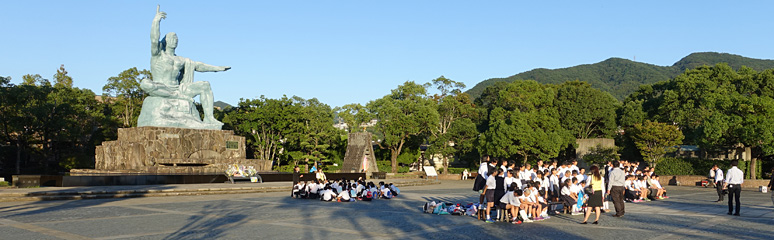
490 183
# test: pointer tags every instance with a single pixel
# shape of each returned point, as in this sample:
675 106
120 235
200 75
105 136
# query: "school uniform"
510 199
734 179
508 181
499 190
344 196
491 184
480 182
719 184
554 181
328 195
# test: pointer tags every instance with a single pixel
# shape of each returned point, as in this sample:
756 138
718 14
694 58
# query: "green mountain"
222 105
620 77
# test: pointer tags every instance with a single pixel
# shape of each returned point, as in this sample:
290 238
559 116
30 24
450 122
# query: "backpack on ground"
439 208
428 207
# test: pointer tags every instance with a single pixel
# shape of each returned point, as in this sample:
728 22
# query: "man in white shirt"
718 174
734 181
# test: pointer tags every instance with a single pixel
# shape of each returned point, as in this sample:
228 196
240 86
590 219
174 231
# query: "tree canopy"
521 120
403 113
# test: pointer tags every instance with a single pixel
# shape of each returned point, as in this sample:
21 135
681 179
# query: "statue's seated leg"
204 91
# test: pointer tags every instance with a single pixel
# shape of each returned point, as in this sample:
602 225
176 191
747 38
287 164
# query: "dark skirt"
596 199
479 183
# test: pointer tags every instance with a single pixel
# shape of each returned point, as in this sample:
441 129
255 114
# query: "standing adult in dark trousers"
734 180
616 189
771 185
296 174
719 181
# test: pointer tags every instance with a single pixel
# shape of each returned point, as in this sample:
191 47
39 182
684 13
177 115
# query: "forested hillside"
621 77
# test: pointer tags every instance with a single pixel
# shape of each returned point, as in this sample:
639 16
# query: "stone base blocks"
166 150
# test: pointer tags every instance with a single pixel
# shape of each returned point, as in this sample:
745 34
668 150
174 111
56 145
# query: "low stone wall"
695 180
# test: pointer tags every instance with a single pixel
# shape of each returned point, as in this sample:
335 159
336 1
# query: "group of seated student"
529 203
641 188
343 190
641 185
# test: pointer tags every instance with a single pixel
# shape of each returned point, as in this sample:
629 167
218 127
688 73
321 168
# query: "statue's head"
170 40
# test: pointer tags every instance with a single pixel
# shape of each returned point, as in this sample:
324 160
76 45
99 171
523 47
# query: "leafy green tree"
655 139
61 79
266 124
5 81
631 113
19 123
35 80
403 113
600 155
53 126
586 112
316 134
521 120
124 95
455 131
354 115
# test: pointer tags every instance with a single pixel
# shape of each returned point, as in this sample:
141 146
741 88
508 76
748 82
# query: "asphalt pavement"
690 213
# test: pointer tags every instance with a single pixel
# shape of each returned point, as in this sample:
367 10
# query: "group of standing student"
343 190
502 184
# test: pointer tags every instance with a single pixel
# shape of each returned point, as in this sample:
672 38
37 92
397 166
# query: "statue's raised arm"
155 32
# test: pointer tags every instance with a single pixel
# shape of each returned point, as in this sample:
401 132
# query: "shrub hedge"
696 166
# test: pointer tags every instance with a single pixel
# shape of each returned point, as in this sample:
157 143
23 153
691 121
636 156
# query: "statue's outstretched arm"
203 67
155 33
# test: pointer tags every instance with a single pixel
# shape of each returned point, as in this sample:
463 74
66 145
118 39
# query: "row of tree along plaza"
49 127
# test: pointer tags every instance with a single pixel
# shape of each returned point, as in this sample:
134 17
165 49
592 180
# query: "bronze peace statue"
171 92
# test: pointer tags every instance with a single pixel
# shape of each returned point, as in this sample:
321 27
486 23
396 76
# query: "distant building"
738 151
343 126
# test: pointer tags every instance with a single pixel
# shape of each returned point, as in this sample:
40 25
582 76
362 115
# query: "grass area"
4 184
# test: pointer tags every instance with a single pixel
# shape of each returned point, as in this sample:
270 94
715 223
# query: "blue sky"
345 52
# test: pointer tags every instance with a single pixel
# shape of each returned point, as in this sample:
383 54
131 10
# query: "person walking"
616 189
734 180
719 182
771 185
595 200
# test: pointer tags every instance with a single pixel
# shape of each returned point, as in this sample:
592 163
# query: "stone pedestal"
163 150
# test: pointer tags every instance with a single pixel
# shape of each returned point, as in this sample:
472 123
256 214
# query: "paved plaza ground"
690 213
